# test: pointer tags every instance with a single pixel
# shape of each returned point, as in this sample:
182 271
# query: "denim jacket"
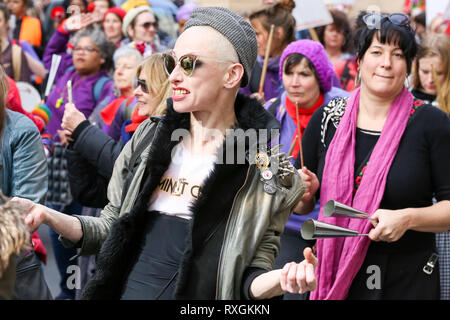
23 171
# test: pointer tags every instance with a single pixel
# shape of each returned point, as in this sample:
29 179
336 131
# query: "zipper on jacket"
226 229
34 265
24 269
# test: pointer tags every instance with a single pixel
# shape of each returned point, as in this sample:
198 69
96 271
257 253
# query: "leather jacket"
253 224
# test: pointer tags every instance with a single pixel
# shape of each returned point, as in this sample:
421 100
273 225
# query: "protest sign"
311 14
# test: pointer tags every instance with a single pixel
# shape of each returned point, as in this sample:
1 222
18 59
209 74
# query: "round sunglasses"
373 20
187 62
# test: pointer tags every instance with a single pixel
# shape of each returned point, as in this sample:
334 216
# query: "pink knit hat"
316 53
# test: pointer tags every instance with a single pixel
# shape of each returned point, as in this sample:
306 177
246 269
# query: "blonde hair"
157 81
436 45
4 89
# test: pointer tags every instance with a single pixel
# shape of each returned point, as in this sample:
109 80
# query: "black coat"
90 162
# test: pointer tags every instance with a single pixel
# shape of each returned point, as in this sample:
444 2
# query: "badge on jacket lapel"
274 169
262 161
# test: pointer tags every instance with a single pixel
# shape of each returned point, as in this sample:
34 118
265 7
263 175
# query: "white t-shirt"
182 182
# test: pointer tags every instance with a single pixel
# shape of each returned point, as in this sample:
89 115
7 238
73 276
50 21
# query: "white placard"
447 12
311 14
435 7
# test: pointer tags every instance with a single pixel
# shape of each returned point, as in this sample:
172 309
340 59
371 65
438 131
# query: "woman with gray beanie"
192 219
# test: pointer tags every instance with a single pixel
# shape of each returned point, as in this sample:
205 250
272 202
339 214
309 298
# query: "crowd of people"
133 157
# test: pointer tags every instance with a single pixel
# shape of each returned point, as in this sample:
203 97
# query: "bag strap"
16 61
141 146
273 107
98 87
136 154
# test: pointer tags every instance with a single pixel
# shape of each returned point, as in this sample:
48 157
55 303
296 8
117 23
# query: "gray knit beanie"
238 31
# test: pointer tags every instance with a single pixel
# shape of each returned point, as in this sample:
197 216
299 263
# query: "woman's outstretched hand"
300 277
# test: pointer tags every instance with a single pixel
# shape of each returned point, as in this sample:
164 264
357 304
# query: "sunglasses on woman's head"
141 83
187 62
373 20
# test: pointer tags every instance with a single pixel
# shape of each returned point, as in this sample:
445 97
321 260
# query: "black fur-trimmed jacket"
235 226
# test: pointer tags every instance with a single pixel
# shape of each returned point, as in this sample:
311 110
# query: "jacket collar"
250 114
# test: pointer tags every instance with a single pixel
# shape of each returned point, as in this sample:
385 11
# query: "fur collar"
249 114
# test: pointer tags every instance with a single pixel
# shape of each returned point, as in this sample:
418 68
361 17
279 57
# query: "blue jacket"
24 165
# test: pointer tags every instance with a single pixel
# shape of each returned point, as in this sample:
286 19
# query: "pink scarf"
341 258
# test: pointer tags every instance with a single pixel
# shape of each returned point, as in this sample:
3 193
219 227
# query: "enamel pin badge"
275 169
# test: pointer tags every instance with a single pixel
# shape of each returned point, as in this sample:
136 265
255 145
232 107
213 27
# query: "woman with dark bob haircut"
387 154
337 37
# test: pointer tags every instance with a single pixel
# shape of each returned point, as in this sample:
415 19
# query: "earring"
407 84
357 79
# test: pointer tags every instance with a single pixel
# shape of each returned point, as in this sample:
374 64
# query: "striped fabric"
443 247
42 111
